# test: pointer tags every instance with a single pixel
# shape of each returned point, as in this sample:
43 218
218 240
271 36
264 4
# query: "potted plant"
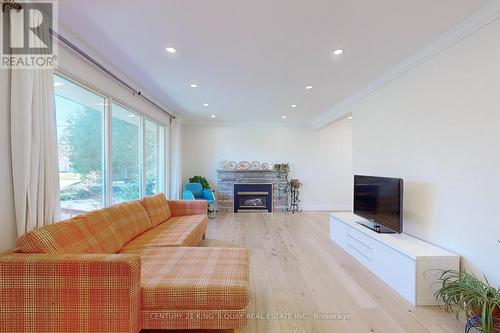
200 179
464 293
283 168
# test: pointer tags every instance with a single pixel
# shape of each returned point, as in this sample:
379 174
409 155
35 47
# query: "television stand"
407 264
376 227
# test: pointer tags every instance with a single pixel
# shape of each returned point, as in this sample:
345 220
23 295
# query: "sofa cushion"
157 208
128 219
194 278
106 237
177 231
88 233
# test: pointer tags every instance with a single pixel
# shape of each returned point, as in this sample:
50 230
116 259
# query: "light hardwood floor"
296 270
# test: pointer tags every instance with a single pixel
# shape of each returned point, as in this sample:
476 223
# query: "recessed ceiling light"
205 104
170 49
284 117
212 116
58 84
338 52
293 105
350 117
193 85
309 87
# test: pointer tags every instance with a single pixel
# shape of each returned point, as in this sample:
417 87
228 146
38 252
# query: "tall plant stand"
294 198
475 322
472 322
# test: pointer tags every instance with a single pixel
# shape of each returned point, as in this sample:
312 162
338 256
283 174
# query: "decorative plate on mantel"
264 166
255 165
232 165
243 165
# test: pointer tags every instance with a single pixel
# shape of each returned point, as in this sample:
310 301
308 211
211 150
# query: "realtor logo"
26 34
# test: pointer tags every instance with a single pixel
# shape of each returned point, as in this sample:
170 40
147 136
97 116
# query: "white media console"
407 264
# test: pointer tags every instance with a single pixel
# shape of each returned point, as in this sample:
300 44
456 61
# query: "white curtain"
175 159
35 170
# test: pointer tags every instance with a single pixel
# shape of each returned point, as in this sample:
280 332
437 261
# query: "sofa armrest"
70 293
187 207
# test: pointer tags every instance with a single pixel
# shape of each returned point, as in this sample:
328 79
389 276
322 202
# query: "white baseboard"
325 208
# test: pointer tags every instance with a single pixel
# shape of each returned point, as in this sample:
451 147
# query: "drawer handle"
361 253
360 242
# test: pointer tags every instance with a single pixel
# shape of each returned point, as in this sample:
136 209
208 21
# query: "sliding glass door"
126 154
108 153
80 128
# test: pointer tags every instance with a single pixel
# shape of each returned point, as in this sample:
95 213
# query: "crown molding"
470 25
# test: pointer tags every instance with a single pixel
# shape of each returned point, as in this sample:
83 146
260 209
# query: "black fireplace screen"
251 201
250 197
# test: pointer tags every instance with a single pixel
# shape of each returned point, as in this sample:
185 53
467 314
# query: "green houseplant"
200 179
464 293
282 168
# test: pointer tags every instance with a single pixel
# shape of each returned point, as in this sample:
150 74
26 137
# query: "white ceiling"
252 58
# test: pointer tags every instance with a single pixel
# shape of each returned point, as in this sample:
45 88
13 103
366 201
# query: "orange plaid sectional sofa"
124 268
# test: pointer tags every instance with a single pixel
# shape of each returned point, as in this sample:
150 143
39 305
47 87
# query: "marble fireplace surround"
227 179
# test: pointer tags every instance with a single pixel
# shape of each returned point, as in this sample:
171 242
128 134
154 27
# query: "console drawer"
360 246
360 241
361 238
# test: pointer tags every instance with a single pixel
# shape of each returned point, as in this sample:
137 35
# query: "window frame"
160 154
107 152
104 142
141 147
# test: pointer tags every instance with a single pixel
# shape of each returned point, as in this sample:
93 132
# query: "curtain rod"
107 71
10 3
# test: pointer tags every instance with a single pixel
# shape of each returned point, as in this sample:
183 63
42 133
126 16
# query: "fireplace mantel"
227 179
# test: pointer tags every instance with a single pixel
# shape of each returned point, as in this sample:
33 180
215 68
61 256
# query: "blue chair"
194 191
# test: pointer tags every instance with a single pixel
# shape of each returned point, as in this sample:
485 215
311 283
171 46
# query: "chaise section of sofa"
194 288
123 268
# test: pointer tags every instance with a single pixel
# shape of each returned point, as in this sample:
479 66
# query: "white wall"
438 127
322 160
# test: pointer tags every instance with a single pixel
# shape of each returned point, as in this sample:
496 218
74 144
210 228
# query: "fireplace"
253 197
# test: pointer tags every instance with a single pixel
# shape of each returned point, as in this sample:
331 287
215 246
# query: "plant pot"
496 318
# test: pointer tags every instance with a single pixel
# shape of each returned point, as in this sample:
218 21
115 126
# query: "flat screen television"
380 201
